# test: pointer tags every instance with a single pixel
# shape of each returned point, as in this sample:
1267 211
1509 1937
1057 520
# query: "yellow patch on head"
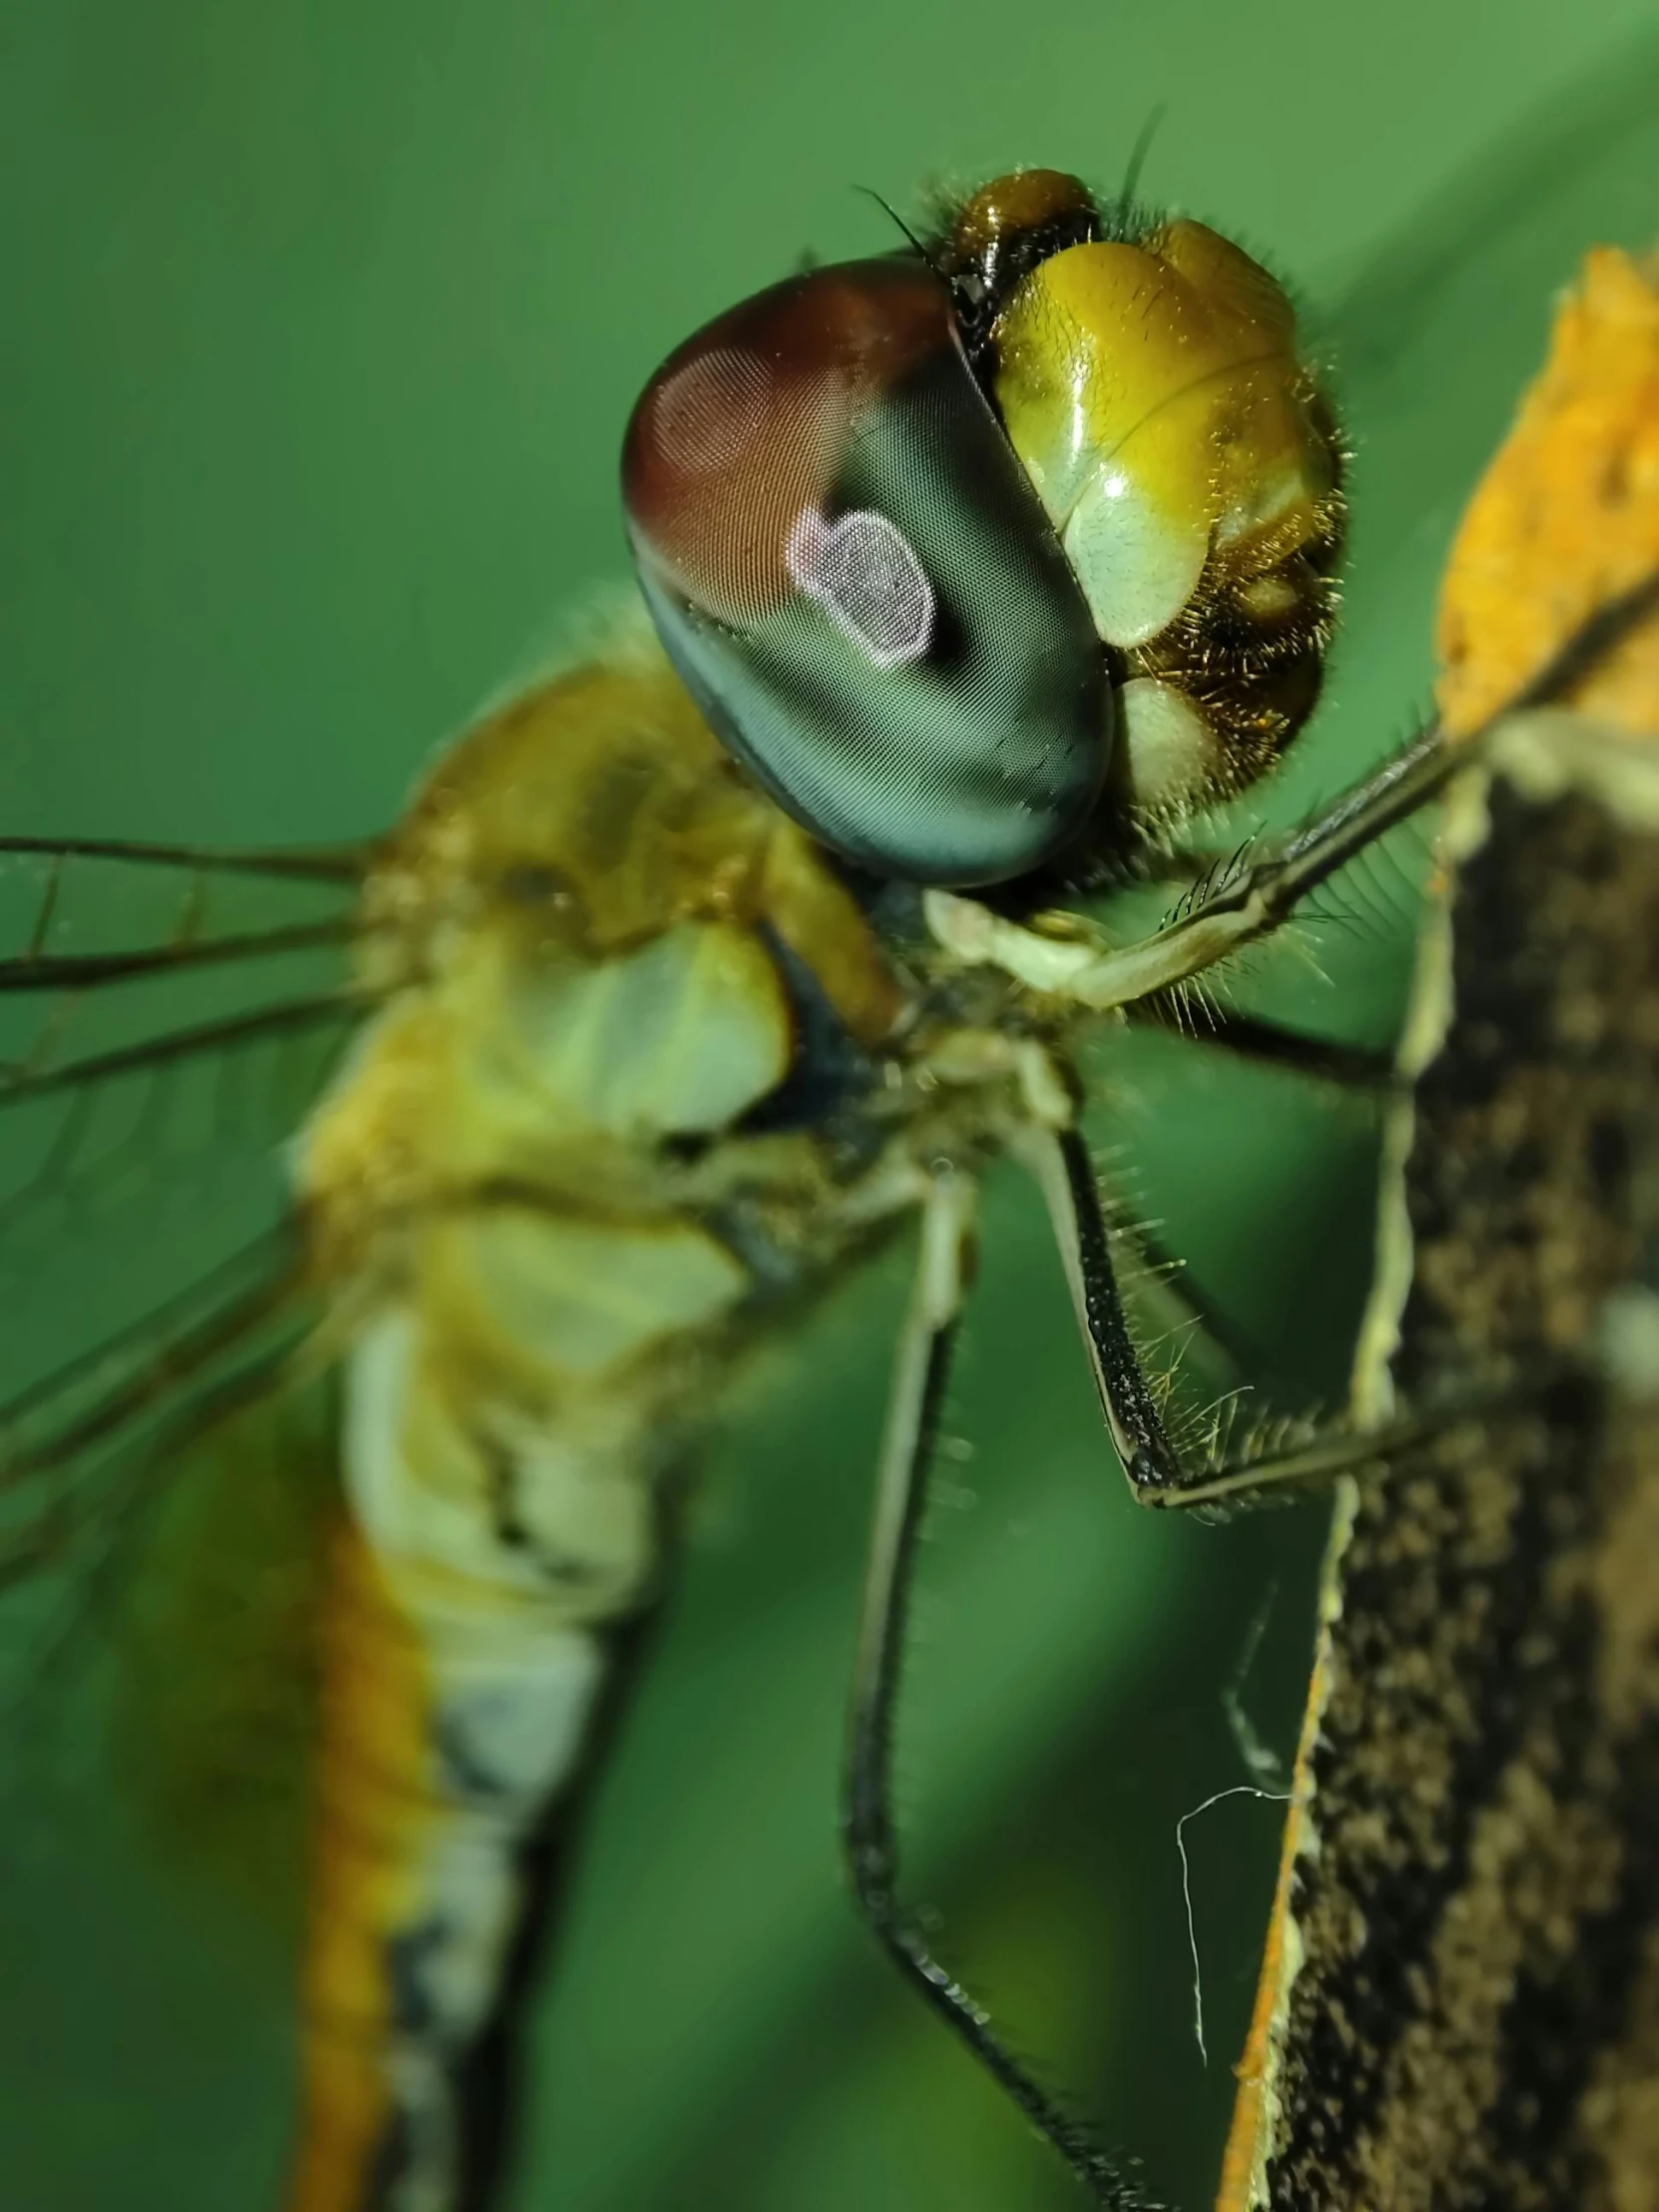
1154 394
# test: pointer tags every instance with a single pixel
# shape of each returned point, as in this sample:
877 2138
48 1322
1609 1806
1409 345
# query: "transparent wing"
165 1018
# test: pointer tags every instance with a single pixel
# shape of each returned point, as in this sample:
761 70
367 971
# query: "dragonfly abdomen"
551 1229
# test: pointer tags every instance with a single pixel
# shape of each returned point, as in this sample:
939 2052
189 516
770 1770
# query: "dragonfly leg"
1250 902
1059 1160
868 1828
1253 1038
1245 905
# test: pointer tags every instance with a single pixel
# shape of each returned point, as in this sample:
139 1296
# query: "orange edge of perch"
1565 518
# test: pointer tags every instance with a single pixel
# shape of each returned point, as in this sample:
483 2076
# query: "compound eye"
857 584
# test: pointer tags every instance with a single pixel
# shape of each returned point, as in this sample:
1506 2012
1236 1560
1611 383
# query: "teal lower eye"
869 602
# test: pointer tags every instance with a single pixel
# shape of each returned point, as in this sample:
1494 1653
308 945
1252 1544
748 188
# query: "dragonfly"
194 1342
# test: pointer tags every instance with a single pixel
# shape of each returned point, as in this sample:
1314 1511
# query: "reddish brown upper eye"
855 578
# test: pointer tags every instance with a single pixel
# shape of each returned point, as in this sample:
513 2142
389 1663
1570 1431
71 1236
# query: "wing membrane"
164 1017
88 1449
323 864
167 1018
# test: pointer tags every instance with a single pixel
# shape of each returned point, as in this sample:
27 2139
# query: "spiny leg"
1059 1161
1258 900
1264 895
1254 901
868 1828
1195 1310
1264 1043
1246 904
1059 1158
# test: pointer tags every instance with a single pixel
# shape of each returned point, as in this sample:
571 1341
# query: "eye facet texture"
858 585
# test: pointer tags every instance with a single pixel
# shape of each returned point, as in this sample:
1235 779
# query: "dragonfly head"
1000 550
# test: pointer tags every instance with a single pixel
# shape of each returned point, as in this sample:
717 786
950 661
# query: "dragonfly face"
995 554
646 1066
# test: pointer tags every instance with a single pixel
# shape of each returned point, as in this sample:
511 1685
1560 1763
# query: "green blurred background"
319 325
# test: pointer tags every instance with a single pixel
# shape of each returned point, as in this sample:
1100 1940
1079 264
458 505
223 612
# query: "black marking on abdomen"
489 2075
